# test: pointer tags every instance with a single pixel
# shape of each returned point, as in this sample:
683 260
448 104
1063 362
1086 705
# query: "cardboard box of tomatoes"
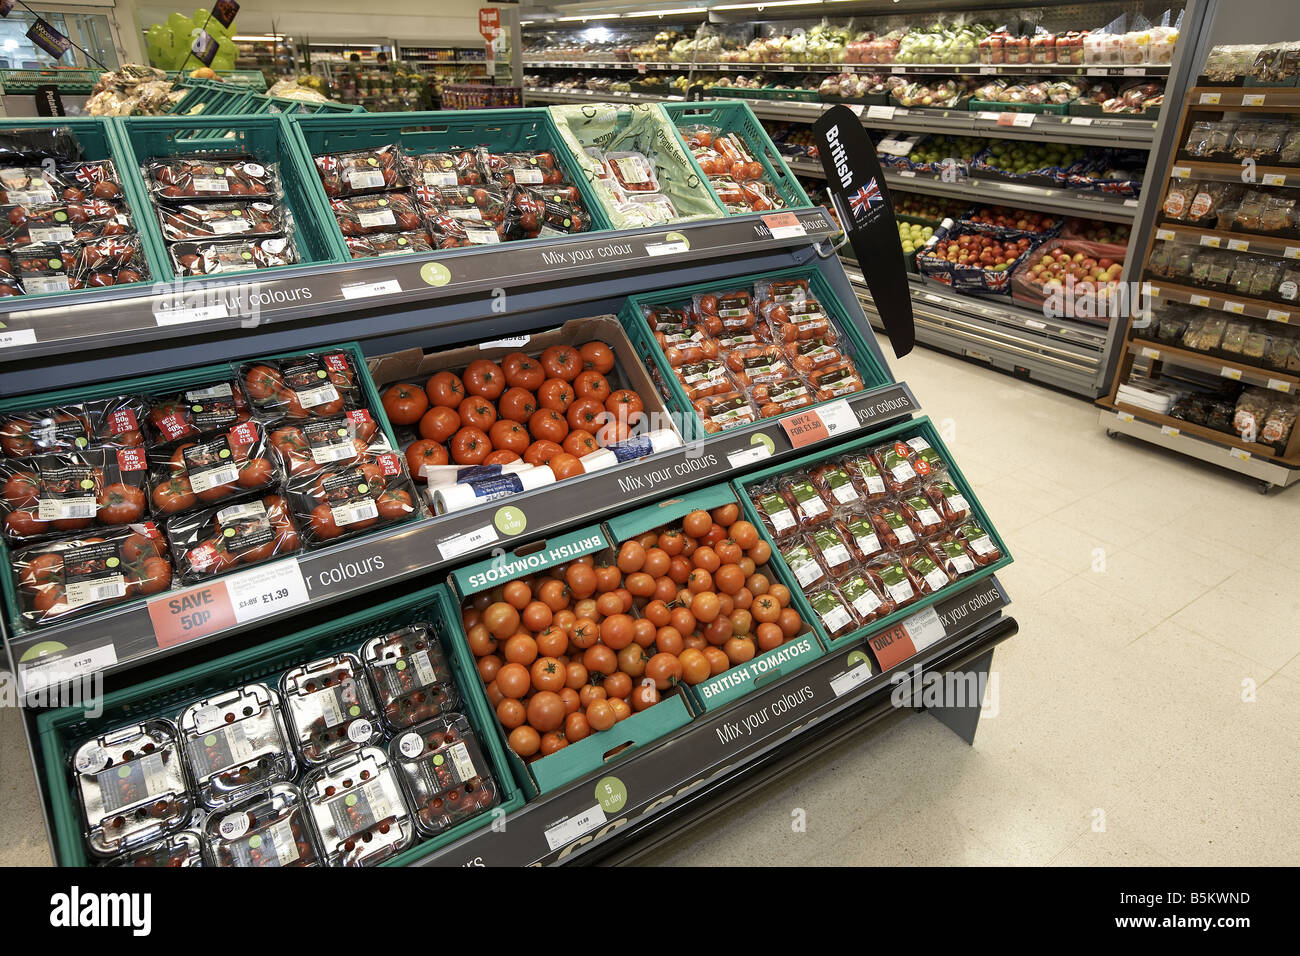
550 672
524 411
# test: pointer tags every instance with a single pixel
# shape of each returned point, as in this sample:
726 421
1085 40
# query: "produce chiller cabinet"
687 767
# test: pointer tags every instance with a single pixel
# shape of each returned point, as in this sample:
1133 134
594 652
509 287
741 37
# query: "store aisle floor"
1148 711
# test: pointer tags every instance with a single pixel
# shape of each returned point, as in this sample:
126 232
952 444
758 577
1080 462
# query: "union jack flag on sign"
860 202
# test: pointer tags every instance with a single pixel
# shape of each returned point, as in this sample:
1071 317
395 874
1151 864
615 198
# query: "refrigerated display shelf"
995 331
335 302
615 810
1236 305
139 632
1212 365
900 69
1234 241
1127 132
1176 435
1072 202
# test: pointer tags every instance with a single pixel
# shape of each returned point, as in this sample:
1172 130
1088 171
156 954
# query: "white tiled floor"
1148 711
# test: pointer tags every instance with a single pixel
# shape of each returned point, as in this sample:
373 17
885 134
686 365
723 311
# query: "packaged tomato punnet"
213 466
219 539
52 494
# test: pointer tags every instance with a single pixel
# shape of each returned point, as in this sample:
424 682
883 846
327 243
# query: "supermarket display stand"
1137 347
1077 356
113 333
646 799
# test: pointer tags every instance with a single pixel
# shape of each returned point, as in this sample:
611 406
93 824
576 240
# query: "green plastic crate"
70 80
603 748
873 374
267 138
919 427
287 104
737 117
500 130
253 80
60 730
99 140
160 384
212 98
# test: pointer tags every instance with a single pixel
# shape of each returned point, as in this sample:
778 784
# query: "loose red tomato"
517 404
470 446
510 436
522 371
587 414
477 412
580 442
445 389
501 456
120 504
484 378
624 402
556 393
547 424
405 403
598 357
562 361
440 423
424 452
591 384
541 452
565 465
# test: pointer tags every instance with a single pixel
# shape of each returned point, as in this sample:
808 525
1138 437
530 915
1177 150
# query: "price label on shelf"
1125 417
787 69
1252 99
1237 308
17 337
907 173
199 314
467 542
57 667
1278 385
641 68
1180 172
748 455
985 115
907 637
784 225
1035 324
666 248
1134 71
1232 373
1212 241
880 112
265 590
1169 430
1291 252
1209 99
565 832
857 109
1201 300
196 612
1274 179
1278 315
1152 290
1151 353
818 424
1165 234
362 290
1240 454
1130 202
1238 245
1097 71
1080 120
851 679
988 70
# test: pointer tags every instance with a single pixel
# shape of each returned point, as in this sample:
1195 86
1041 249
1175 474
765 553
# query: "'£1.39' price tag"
182 616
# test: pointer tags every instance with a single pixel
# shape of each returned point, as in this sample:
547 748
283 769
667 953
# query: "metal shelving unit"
994 329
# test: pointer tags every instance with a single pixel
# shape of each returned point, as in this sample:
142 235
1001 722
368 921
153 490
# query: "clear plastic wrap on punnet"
636 146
